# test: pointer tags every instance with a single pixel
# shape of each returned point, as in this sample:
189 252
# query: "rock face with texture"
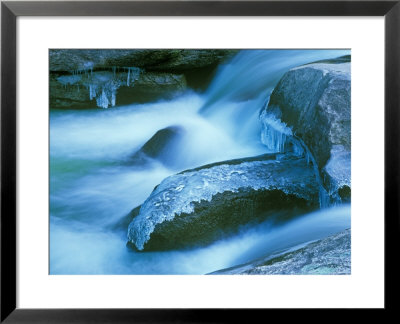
168 60
329 256
311 104
197 207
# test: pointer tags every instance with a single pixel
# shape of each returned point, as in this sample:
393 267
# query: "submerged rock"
160 145
329 256
312 104
197 207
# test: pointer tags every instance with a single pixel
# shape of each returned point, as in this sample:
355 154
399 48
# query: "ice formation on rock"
275 134
278 137
102 85
178 194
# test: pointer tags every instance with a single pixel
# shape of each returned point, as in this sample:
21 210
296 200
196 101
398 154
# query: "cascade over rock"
199 206
311 105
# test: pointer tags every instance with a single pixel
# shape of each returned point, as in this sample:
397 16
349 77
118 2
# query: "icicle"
133 75
324 198
274 133
92 91
102 100
113 97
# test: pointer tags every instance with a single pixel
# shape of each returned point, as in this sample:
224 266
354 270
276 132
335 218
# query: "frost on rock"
328 256
178 194
342 69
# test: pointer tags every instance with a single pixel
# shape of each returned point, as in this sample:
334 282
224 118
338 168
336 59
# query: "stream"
93 186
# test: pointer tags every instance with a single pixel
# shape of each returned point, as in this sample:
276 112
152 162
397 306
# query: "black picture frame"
11 10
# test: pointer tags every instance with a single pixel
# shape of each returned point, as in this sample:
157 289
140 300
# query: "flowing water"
92 185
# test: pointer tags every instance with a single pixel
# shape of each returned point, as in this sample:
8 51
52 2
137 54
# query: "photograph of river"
200 161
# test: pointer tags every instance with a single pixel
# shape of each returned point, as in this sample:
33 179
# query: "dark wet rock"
345 193
152 86
329 256
312 103
160 140
160 145
193 59
197 207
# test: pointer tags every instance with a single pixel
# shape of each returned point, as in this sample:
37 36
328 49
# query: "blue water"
92 188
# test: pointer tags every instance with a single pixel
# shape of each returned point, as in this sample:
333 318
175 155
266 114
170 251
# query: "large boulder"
311 106
328 256
199 206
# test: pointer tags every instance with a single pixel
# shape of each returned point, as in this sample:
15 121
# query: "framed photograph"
193 160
